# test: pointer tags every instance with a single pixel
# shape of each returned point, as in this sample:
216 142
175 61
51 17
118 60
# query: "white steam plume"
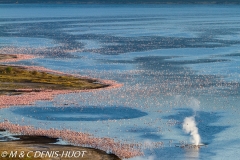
189 126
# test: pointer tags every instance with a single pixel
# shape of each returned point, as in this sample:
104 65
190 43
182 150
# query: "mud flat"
42 147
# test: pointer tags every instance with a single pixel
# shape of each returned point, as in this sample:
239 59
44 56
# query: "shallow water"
175 61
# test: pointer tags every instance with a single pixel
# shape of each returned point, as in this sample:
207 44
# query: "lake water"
175 61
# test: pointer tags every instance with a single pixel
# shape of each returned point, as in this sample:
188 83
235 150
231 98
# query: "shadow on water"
59 30
151 136
90 113
145 132
178 78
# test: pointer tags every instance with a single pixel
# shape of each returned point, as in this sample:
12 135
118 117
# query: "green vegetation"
8 70
12 78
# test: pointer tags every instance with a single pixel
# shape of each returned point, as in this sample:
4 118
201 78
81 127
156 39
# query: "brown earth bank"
42 147
109 145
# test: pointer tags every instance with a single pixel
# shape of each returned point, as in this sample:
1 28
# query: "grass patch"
12 77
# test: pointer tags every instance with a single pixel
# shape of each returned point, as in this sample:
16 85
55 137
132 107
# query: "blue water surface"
174 61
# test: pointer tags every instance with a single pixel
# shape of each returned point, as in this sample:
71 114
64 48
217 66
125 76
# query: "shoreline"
37 147
29 98
109 145
77 138
19 57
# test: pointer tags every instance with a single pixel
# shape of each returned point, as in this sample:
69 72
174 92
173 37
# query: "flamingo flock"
78 138
30 98
168 87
